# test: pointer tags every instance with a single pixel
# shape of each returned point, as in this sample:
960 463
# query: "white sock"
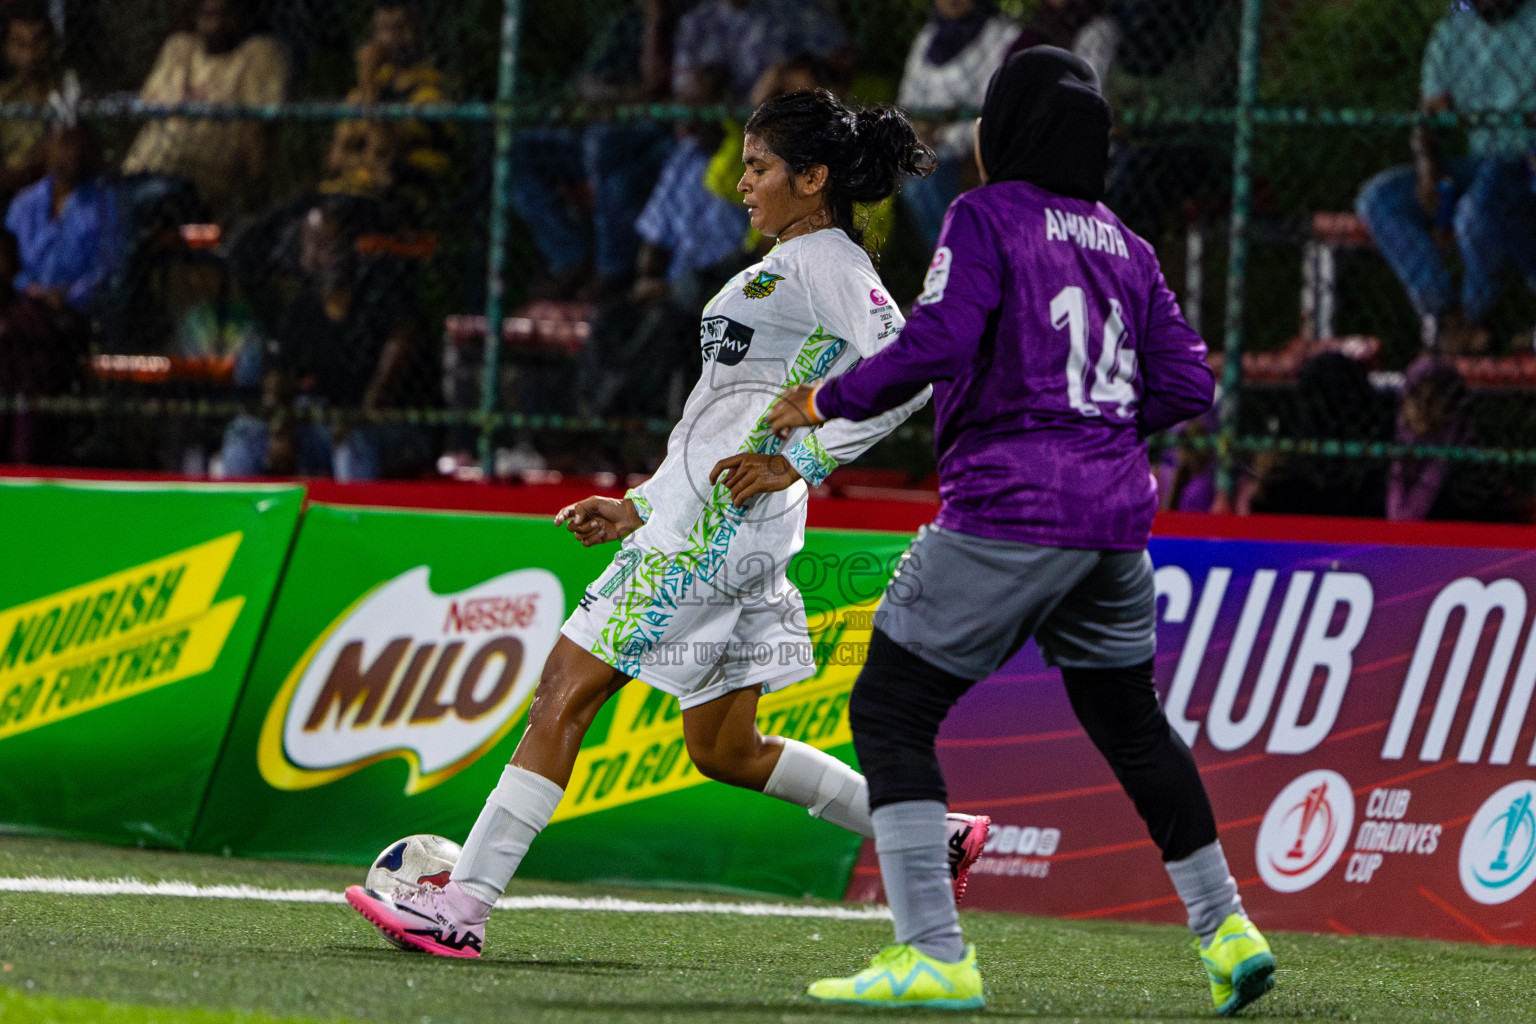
823 785
515 812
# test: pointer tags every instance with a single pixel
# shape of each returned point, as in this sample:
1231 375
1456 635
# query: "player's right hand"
792 410
598 520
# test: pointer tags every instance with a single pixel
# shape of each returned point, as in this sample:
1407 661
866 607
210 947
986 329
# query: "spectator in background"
1435 413
948 68
220 62
347 345
1164 53
31 363
1186 472
1335 402
616 162
1057 23
730 43
32 75
1478 61
691 244
66 224
398 163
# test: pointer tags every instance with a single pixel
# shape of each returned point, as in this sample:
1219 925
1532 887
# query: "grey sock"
914 863
1207 887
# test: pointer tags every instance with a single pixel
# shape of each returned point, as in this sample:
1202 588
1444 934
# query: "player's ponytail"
867 153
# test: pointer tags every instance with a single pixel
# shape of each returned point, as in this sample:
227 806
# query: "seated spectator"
692 245
948 68
399 163
223 62
66 224
389 172
32 363
1057 23
1334 402
1478 61
730 43
32 75
1164 53
1186 473
347 344
1435 413
615 162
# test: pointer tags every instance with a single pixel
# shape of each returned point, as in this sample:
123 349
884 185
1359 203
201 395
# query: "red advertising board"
1360 713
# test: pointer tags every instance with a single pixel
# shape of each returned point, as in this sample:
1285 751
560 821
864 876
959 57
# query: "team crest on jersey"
761 286
724 340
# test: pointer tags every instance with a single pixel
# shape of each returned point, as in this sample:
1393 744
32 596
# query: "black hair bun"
884 149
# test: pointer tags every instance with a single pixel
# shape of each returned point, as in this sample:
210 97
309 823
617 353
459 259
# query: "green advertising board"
128 617
393 682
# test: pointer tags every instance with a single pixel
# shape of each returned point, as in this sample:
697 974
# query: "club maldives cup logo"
1499 849
433 679
1305 831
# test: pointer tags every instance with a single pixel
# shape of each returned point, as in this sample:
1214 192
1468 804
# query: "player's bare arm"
750 474
597 520
794 409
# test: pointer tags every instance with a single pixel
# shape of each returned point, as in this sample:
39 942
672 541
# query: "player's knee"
720 759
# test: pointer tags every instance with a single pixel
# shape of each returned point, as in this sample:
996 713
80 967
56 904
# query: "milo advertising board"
128 616
394 681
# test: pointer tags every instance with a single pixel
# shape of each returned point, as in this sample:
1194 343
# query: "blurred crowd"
299 298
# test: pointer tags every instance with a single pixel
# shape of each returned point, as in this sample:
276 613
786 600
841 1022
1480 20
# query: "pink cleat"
967 838
418 920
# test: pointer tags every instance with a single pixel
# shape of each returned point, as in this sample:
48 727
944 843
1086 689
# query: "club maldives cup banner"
128 615
1360 715
394 680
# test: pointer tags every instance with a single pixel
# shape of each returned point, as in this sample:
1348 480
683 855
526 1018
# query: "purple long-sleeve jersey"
1054 347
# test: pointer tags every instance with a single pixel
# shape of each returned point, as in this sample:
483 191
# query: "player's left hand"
793 410
751 474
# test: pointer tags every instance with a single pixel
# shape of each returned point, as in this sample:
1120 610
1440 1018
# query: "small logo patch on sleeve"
938 277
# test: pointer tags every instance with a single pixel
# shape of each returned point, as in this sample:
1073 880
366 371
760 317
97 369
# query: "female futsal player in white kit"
707 541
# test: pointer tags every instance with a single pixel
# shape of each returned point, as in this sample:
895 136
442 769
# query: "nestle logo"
491 614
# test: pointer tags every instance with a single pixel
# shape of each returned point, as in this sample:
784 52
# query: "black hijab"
1045 122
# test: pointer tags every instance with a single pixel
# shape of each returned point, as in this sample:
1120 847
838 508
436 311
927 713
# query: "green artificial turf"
323 963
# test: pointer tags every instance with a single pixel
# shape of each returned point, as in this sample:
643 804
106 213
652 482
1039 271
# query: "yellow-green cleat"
903 976
1239 963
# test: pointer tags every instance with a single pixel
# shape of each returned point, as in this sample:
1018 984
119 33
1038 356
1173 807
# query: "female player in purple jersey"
1054 348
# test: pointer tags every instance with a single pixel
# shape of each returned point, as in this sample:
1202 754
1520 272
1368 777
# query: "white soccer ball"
408 864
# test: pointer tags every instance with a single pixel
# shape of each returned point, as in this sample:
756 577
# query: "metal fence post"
500 213
1237 264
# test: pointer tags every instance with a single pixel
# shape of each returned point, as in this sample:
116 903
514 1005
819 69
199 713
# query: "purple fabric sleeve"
1177 385
963 289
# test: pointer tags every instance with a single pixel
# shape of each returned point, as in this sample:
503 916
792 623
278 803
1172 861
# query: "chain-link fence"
272 232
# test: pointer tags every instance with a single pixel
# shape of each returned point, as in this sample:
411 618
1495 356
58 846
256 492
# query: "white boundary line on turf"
608 904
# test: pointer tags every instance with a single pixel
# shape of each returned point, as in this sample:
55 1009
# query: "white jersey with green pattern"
811 309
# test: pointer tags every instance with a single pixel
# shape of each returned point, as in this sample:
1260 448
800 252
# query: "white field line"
608 904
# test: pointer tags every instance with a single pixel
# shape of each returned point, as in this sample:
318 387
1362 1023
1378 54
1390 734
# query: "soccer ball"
410 863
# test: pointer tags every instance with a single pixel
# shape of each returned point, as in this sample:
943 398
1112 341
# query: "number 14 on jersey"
1113 379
